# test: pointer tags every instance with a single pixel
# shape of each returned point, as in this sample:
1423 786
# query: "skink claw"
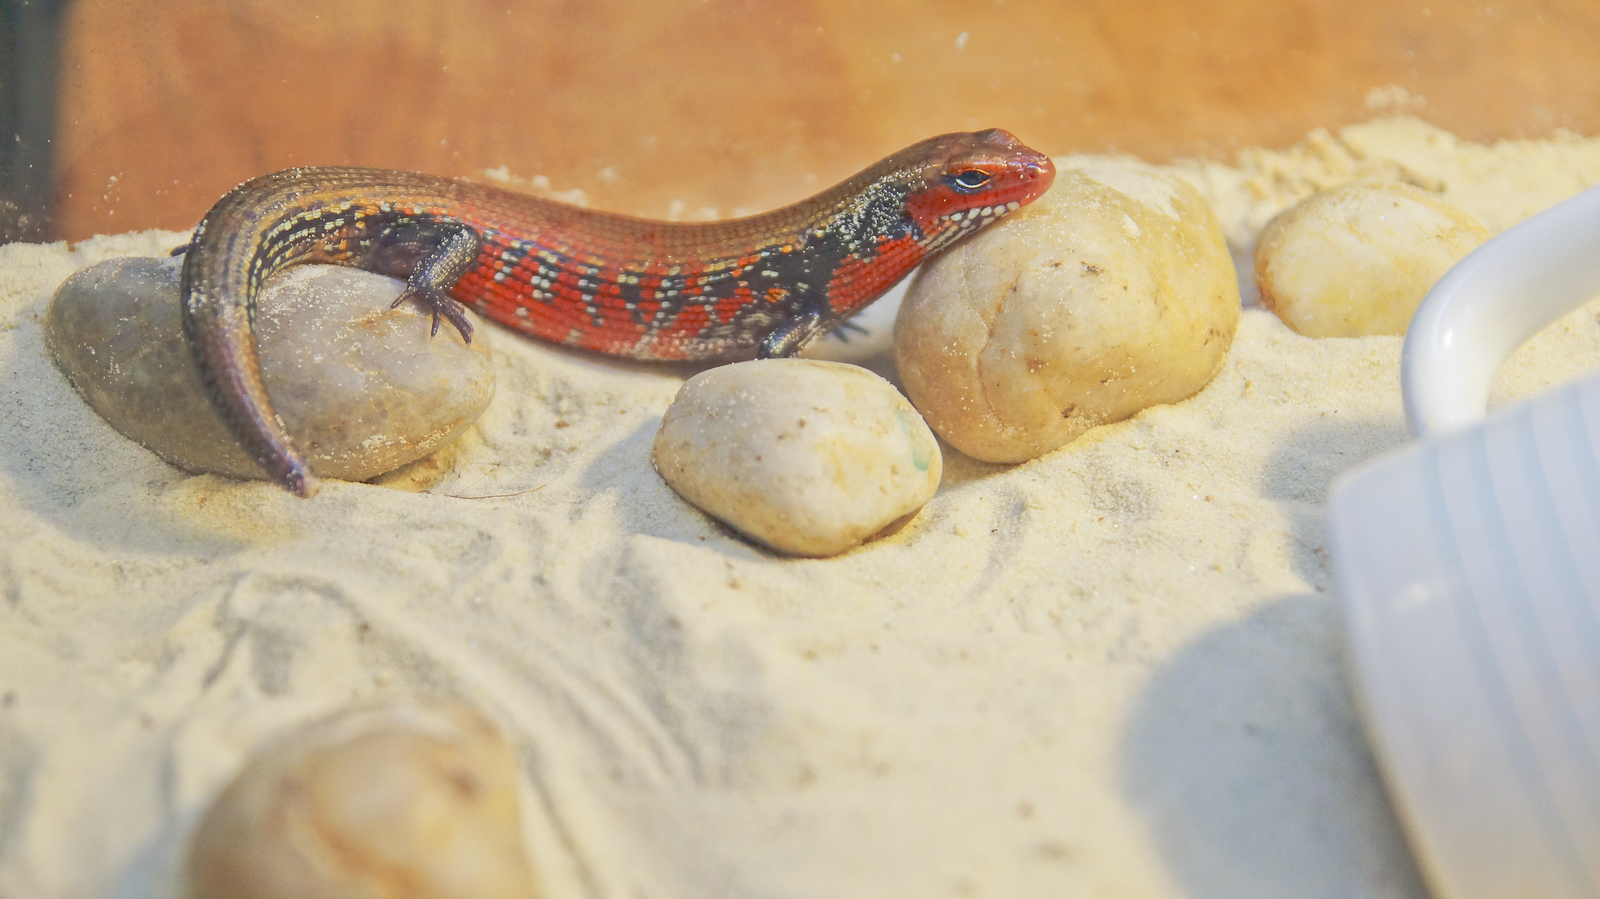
441 305
455 251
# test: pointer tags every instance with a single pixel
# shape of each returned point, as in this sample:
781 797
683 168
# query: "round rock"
1113 292
412 800
807 457
1358 260
361 387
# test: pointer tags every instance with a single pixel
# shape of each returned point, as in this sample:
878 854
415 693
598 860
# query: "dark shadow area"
30 38
1247 758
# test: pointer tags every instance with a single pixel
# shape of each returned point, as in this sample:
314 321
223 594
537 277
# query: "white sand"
1114 671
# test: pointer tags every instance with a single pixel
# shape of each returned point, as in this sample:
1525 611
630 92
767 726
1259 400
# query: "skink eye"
968 181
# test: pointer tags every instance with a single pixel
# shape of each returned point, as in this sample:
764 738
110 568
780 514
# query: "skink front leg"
791 336
431 257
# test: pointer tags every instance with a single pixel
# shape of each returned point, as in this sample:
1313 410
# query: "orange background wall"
741 106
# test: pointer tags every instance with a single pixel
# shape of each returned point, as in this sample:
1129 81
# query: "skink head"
958 183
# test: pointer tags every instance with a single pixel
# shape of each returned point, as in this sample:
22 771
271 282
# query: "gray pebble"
361 387
406 798
808 457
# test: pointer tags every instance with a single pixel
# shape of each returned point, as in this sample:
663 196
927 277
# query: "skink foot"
447 252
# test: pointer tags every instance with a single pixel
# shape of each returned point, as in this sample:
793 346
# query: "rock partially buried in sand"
360 386
1358 260
807 457
401 800
1113 292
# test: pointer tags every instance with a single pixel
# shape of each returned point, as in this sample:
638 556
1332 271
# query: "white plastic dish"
1468 565
1489 304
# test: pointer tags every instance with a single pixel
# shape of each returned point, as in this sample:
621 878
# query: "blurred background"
119 115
